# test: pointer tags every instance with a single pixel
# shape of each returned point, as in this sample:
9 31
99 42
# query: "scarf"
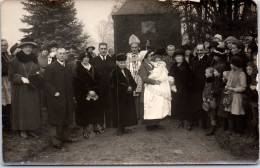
24 58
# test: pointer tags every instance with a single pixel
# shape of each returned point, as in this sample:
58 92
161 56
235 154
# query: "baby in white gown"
157 98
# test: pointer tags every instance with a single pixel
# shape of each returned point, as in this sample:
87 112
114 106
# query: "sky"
90 12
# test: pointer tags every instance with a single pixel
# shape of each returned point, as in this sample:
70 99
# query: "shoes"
212 131
150 128
119 133
33 135
181 124
189 127
159 126
70 140
127 130
59 146
23 135
98 130
85 135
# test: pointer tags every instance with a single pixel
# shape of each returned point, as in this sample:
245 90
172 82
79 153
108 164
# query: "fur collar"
24 58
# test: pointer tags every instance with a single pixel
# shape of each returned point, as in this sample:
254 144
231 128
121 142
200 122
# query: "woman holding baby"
156 94
182 75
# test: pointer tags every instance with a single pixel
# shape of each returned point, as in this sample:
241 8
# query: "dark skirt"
86 113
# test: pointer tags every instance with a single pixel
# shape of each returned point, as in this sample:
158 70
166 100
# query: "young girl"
252 95
157 94
236 84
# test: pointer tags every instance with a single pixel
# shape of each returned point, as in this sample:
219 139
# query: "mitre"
133 39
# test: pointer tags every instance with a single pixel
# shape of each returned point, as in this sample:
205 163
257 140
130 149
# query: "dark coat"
198 68
144 72
85 81
169 60
182 75
125 100
217 88
6 58
222 61
25 98
59 79
199 79
104 68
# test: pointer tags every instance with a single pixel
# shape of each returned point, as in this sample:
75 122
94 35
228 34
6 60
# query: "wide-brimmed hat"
206 106
213 44
230 38
93 48
237 61
27 41
179 52
251 34
239 44
186 47
13 48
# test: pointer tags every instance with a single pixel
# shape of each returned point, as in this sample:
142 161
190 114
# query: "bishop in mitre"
134 60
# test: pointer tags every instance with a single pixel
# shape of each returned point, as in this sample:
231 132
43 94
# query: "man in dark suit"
104 64
199 64
58 78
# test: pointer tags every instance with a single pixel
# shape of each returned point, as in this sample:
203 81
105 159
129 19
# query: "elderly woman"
86 83
236 85
25 116
182 74
144 72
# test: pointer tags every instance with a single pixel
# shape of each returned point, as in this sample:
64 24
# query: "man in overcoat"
58 78
104 64
199 64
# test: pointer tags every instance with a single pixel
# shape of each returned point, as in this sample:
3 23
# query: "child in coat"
216 90
207 88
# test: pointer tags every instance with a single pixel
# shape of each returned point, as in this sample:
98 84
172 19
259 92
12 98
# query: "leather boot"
212 131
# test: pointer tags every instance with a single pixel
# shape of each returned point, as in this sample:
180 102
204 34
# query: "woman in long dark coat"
182 75
25 115
86 83
123 85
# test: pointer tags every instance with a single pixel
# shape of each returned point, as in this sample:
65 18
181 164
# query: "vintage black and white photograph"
129 82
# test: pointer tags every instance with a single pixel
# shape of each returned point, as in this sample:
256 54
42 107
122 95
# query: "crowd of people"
213 83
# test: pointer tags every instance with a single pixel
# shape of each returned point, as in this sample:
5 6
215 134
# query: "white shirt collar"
62 63
201 56
86 66
102 57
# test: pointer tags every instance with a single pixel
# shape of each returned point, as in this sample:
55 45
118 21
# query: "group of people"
215 82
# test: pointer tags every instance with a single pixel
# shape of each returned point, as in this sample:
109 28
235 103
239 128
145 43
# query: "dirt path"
168 146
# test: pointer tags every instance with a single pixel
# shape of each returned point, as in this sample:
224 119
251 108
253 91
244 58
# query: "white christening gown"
157 98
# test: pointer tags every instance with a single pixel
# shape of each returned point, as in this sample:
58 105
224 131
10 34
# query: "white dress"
157 98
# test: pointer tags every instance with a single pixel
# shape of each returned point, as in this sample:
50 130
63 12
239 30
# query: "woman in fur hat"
182 74
86 92
25 116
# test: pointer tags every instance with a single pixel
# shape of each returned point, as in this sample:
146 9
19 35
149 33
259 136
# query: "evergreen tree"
53 20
